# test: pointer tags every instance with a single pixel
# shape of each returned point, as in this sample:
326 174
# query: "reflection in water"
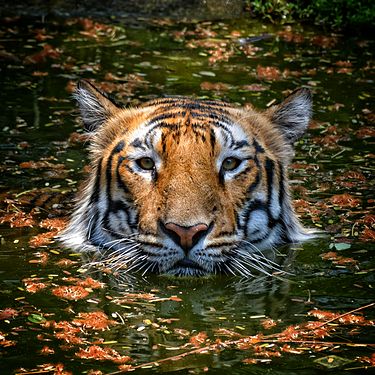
214 296
203 304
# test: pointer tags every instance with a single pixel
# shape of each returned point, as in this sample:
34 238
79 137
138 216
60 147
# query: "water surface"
136 60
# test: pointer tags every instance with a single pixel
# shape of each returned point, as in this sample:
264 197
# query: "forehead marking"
225 130
137 143
180 113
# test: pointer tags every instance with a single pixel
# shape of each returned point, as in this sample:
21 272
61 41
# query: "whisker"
259 251
123 251
137 262
111 231
152 264
122 258
240 267
258 268
252 260
89 226
228 267
119 256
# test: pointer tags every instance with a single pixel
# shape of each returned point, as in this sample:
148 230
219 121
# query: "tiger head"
187 187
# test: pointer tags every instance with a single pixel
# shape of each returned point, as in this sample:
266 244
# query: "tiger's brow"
238 145
137 143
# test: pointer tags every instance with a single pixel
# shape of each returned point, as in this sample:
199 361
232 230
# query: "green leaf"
342 246
36 318
332 361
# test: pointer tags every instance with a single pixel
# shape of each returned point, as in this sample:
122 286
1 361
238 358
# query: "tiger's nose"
186 237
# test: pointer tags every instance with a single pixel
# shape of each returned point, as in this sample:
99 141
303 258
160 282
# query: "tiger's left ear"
293 115
95 106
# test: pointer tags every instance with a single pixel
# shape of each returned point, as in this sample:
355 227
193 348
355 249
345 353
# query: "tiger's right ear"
293 115
95 106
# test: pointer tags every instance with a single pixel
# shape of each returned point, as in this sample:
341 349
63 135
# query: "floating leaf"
332 361
36 318
342 246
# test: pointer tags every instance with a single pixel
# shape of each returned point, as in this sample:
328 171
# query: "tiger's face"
187 187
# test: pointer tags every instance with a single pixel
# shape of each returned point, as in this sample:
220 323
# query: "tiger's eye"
146 163
230 164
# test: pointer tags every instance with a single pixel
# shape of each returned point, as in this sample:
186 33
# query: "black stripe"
281 184
258 147
258 205
249 191
129 169
116 205
176 101
284 237
216 117
137 143
212 139
258 240
108 174
158 126
113 233
270 170
227 136
164 143
151 244
96 192
221 177
238 220
224 233
119 147
115 151
168 114
91 229
120 183
154 175
224 126
133 223
192 105
240 144
200 106
165 116
172 128
207 119
211 114
254 185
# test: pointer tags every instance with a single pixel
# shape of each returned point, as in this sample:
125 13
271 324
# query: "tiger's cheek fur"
242 187
146 199
237 193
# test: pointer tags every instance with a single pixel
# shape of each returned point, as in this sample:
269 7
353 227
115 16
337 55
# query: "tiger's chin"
187 267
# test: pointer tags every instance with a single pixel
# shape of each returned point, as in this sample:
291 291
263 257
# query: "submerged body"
187 187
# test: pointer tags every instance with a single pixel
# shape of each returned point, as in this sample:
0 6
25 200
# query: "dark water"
138 60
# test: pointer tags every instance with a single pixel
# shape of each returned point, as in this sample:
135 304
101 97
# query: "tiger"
187 187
